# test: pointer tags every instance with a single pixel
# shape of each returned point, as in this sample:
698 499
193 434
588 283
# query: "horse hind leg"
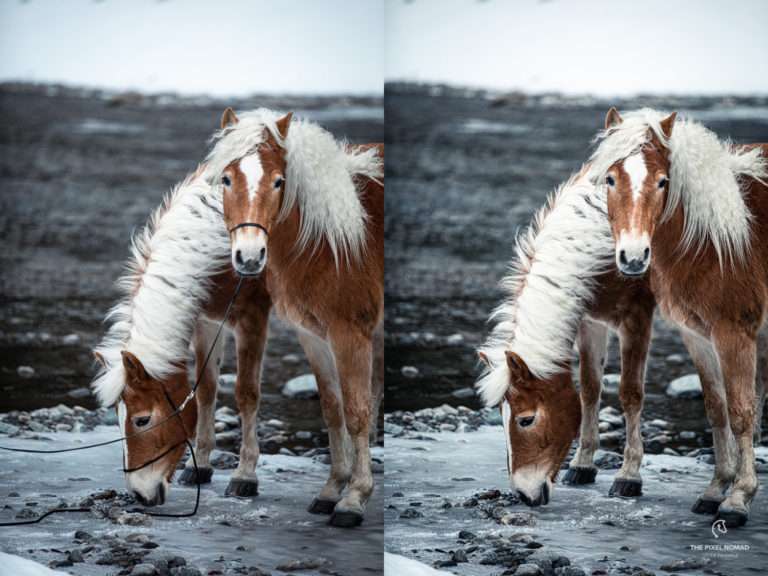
708 367
205 438
635 338
323 366
251 336
760 377
593 338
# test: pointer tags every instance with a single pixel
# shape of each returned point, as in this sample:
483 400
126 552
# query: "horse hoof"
243 488
707 506
346 519
320 506
626 488
191 477
580 475
733 518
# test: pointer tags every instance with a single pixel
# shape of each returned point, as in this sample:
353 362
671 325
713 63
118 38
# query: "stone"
675 359
291 359
611 383
9 429
81 392
688 386
454 340
25 371
409 371
143 570
70 340
304 386
528 570
466 392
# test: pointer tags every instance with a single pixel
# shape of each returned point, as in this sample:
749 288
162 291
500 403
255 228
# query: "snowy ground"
438 484
228 536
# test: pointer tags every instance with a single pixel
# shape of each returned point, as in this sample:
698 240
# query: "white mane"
550 285
321 177
705 177
166 285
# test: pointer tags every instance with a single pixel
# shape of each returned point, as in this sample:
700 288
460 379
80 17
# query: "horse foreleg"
708 367
737 351
635 338
377 382
593 338
205 437
321 360
251 336
353 353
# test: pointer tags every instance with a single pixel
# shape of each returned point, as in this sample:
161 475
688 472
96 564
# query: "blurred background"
489 106
103 107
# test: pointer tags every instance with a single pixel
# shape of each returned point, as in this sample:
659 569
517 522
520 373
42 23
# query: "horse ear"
667 124
283 124
229 118
134 368
100 359
612 118
518 369
484 358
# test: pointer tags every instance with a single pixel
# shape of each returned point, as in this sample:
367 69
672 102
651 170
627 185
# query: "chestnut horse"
694 210
564 288
176 290
308 214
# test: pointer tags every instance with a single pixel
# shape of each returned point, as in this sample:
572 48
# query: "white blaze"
253 171
637 171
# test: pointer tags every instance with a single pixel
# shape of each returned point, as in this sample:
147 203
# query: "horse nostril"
646 253
262 252
239 257
623 257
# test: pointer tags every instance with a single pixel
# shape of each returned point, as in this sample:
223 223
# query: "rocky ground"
448 504
229 536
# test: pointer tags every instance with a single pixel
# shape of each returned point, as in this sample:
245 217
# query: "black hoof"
732 518
191 477
626 488
580 475
243 488
346 519
706 506
319 506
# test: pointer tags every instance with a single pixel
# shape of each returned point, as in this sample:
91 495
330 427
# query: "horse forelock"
321 179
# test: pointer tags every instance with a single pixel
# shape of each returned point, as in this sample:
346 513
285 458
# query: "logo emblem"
718 527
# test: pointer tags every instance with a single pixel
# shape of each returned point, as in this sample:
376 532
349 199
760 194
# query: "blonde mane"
322 178
166 285
550 286
706 177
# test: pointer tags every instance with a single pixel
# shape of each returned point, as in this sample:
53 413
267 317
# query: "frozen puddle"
427 484
227 536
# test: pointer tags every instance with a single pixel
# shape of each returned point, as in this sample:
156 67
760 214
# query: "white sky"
224 47
585 46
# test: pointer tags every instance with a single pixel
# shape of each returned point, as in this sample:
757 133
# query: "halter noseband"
249 225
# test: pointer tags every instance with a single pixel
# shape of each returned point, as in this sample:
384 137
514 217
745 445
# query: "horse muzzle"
249 249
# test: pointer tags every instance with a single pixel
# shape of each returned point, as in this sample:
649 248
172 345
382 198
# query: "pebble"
304 386
81 392
9 429
411 513
409 371
688 386
25 371
675 359
291 359
454 340
462 393
528 570
70 340
144 570
517 519
296 565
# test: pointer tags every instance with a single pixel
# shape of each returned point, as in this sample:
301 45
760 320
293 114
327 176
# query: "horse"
692 211
178 285
307 213
564 288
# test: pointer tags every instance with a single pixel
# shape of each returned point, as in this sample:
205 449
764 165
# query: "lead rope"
176 413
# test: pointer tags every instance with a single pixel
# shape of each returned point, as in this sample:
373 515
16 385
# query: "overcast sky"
585 46
226 47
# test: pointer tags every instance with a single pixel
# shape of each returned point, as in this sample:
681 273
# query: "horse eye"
226 181
662 183
279 182
525 421
610 181
141 421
